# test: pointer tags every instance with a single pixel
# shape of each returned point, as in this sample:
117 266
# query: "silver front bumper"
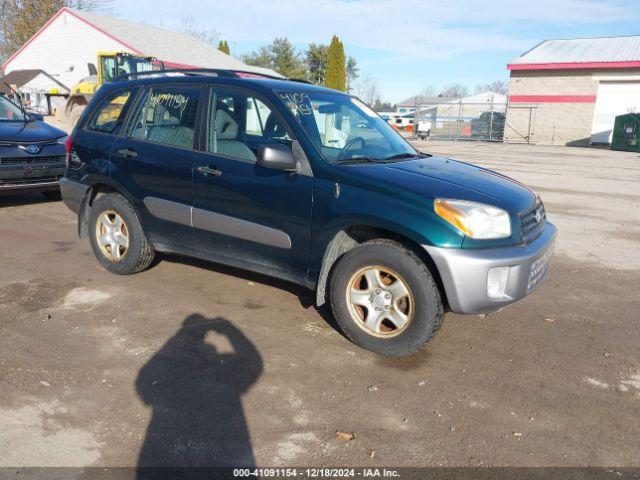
465 273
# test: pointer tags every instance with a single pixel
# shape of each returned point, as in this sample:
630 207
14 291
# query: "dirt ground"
197 360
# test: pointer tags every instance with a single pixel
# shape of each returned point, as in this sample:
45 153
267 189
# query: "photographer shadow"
195 393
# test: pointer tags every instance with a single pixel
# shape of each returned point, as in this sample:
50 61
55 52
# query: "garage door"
614 98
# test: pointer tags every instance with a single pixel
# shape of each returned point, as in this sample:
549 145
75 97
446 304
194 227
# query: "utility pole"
491 120
415 117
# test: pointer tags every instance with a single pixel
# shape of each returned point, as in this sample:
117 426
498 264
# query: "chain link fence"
459 120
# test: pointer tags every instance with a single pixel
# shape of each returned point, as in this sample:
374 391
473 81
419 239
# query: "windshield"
123 64
9 111
131 64
344 129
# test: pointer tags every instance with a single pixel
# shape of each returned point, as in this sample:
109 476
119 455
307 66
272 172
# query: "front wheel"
116 235
385 299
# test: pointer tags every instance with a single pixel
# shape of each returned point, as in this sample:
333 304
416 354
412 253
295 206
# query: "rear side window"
109 114
167 115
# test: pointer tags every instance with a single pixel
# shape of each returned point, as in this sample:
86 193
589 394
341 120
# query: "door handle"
127 153
209 170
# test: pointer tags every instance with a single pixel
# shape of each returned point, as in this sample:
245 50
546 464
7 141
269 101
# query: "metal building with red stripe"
568 92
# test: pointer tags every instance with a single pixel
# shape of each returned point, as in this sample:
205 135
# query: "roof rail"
300 80
218 72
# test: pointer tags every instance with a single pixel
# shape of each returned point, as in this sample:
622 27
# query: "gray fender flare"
339 245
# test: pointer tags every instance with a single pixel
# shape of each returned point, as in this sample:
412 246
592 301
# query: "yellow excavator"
110 66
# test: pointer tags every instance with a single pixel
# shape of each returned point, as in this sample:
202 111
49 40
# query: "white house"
70 41
39 91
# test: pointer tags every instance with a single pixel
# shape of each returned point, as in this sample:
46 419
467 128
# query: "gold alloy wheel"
380 301
112 235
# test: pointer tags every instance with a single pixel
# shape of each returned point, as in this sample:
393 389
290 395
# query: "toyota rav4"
32 153
306 184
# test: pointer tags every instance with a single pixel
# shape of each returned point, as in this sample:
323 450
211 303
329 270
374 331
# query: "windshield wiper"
401 156
356 160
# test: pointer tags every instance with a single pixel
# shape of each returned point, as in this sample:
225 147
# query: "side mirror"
277 157
36 116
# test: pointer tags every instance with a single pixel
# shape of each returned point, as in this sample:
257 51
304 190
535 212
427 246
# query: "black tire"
428 310
140 252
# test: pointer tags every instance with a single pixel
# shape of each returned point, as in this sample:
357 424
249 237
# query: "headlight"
475 220
61 140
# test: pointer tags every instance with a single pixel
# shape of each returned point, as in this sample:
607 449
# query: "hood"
31 132
437 177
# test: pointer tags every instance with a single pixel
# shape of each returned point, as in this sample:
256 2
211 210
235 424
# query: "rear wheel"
385 299
116 235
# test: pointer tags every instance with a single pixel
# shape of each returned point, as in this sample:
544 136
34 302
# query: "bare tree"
497 86
455 90
207 35
102 5
428 91
381 106
367 90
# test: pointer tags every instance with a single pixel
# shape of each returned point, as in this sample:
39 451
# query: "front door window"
239 124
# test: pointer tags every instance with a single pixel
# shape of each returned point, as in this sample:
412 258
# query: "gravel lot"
190 356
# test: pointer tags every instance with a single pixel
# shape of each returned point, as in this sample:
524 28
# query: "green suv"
305 184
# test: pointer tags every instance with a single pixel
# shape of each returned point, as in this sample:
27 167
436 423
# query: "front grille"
30 160
28 181
530 220
4 143
539 270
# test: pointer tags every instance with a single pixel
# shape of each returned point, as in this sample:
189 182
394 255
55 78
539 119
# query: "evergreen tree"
279 56
223 46
352 72
259 58
336 66
286 60
316 57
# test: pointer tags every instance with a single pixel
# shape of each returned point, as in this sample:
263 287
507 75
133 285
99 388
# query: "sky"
404 45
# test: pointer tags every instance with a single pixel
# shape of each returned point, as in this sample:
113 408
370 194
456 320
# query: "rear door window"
110 114
167 115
